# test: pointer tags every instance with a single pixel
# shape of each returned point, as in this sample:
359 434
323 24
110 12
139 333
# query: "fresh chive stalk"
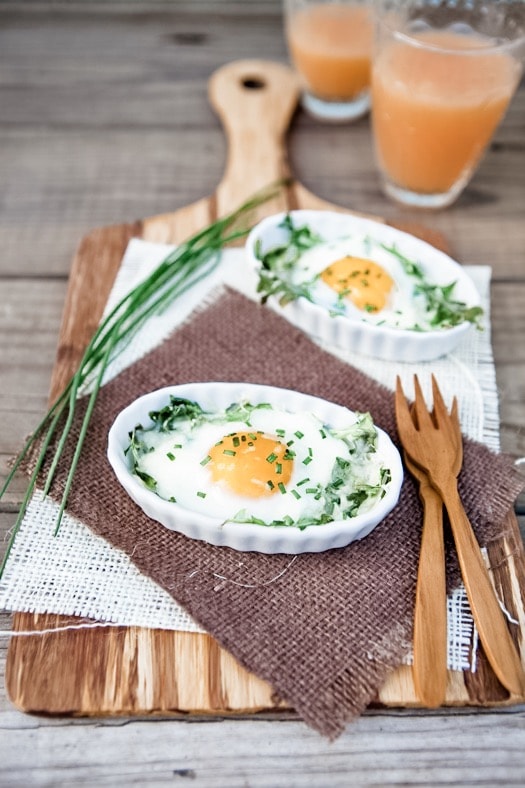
186 265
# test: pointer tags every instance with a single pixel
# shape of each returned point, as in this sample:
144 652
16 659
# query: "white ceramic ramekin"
384 342
248 536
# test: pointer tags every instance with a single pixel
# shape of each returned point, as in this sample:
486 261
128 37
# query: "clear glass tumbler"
444 73
330 45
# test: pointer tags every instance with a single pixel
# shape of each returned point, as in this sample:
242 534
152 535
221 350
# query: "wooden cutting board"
130 670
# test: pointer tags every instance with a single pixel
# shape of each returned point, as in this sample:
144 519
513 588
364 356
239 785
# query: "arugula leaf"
443 310
277 264
178 409
360 437
136 448
242 411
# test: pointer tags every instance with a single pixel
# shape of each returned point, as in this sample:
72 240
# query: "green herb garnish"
348 491
442 309
278 263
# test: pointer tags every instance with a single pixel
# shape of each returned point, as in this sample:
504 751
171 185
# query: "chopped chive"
206 460
201 494
170 456
280 433
290 443
278 467
307 461
270 484
219 443
311 490
236 441
243 438
323 433
296 494
299 434
250 443
177 445
271 457
310 452
288 455
303 481
281 487
173 499
230 452
252 436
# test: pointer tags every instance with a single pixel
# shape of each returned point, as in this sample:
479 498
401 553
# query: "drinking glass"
444 73
330 45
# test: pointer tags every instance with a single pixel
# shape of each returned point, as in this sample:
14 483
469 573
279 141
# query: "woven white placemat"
78 573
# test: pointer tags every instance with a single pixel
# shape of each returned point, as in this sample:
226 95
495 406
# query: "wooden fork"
430 615
434 446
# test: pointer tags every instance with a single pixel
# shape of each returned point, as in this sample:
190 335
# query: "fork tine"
454 412
445 420
403 416
456 435
441 413
424 419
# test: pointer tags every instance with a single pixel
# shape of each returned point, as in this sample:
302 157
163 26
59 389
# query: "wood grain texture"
435 444
383 748
113 124
134 671
430 614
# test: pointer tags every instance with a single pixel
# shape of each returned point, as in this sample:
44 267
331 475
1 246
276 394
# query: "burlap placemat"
324 629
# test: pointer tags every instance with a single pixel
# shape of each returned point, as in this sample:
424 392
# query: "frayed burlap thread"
327 632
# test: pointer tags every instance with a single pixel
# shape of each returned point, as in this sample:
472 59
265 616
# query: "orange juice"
435 111
331 47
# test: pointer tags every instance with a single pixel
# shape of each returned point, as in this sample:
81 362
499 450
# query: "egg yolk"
251 463
364 282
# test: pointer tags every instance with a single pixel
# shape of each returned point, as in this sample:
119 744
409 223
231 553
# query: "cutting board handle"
255 100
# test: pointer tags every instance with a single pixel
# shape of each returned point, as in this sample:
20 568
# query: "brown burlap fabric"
327 631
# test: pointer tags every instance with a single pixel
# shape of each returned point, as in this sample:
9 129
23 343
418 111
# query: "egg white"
187 481
404 309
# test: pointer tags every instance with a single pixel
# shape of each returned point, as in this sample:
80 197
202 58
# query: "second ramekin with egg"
362 285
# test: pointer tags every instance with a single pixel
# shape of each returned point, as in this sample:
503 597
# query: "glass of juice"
444 73
330 45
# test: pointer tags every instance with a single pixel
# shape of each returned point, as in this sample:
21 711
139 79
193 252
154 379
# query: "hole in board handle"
253 83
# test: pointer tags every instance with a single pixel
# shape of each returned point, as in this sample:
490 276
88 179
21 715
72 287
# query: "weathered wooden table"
105 119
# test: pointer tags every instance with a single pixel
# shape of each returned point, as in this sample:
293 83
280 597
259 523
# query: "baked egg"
259 463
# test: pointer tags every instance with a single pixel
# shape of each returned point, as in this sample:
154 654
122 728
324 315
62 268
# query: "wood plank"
117 131
382 748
